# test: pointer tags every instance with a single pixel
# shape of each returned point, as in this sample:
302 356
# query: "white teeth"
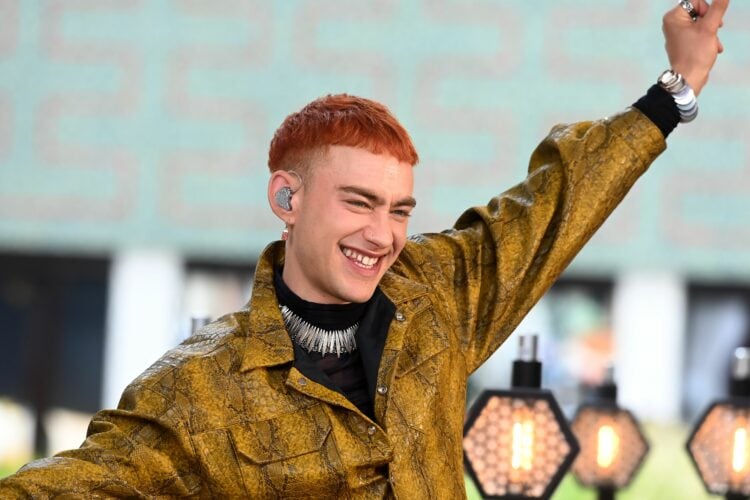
362 260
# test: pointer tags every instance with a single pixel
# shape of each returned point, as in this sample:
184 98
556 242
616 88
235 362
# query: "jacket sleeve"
499 259
136 451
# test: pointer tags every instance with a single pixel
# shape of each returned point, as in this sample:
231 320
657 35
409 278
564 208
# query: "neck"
326 316
307 293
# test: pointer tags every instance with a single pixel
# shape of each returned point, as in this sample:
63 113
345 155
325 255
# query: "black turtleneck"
345 373
325 316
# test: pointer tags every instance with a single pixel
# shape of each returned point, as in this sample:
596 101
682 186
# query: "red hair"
343 120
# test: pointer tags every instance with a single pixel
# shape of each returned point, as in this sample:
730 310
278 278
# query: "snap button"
400 316
302 381
382 389
371 430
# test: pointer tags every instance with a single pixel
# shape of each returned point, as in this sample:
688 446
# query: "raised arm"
502 257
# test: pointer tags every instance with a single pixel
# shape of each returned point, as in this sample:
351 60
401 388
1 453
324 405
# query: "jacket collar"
400 289
267 342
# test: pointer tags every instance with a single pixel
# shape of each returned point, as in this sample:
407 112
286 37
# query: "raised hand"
693 46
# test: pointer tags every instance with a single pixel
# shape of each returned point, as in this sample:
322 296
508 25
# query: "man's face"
350 225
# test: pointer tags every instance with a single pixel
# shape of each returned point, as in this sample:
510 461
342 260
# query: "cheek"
399 237
332 226
322 222
343 223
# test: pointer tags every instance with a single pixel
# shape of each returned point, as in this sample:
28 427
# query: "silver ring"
688 6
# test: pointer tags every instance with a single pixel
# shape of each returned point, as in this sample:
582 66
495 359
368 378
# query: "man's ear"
284 194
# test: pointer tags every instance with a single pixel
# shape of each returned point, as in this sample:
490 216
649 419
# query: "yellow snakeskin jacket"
226 415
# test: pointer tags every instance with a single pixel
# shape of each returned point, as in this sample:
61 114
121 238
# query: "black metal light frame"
739 398
608 489
526 394
733 402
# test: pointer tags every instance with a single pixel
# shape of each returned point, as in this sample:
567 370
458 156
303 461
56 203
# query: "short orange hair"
343 120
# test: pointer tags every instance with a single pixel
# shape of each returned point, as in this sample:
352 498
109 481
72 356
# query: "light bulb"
522 455
608 444
739 450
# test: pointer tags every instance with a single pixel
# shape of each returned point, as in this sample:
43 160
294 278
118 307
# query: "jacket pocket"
291 455
280 438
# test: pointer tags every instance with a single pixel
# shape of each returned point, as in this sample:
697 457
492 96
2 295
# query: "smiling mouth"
360 260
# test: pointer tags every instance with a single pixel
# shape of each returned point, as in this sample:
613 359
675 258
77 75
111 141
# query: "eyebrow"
409 201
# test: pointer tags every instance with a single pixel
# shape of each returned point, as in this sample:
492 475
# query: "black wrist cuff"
659 106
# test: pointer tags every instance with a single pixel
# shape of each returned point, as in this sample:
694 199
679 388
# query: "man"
345 376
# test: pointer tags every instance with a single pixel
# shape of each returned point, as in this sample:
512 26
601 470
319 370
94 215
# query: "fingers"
715 14
701 6
680 14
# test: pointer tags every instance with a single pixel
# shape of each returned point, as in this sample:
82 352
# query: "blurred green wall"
146 123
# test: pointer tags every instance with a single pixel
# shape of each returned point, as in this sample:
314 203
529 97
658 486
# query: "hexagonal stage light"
720 447
517 443
613 445
720 442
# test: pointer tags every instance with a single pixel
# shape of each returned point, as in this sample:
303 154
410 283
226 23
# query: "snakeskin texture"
225 415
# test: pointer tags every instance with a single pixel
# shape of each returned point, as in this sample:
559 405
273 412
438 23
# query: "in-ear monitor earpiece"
283 198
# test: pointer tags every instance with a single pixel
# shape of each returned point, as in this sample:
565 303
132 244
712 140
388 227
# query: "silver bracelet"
682 93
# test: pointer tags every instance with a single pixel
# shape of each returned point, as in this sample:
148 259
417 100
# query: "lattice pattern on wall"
147 122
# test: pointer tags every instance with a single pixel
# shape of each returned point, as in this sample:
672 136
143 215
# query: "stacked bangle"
681 92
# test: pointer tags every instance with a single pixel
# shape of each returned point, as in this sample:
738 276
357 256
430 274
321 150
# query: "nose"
378 231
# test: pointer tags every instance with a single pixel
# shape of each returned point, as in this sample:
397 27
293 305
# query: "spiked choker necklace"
316 339
319 328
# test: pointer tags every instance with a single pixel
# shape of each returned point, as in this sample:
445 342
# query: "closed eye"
401 213
358 203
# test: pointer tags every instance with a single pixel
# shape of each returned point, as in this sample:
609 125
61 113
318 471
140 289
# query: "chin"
359 296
